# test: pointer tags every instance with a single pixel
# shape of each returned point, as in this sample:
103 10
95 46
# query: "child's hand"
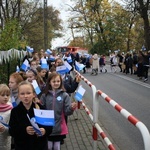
37 100
78 78
73 105
42 131
2 128
30 130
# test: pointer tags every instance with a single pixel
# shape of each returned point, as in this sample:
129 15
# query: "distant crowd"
136 63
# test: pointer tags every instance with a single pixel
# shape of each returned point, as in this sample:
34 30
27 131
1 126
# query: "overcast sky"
62 6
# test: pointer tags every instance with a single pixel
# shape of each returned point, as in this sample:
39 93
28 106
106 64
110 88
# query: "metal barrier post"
95 108
95 116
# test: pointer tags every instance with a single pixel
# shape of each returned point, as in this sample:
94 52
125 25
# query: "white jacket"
5 139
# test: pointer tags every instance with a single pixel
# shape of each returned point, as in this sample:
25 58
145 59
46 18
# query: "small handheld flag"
14 104
143 48
17 69
52 58
79 66
44 117
34 125
61 69
36 87
29 49
69 59
79 93
3 122
25 65
44 64
48 51
68 66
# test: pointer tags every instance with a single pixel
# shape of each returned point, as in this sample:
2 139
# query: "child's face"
59 63
26 94
55 83
43 73
30 76
33 65
4 98
12 83
37 61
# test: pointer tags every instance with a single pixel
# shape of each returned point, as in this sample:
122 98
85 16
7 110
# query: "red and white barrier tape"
84 79
143 129
120 109
102 134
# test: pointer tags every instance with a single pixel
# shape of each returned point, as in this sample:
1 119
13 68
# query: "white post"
95 113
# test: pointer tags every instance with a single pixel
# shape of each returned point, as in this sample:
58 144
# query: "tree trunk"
144 14
147 33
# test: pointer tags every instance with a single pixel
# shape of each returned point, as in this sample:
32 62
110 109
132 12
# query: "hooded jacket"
60 102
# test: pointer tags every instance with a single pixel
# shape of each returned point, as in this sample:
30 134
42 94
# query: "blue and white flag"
44 64
64 57
17 69
44 117
13 101
48 51
34 125
25 65
3 122
36 87
69 59
29 49
143 48
79 93
61 69
68 66
79 66
52 58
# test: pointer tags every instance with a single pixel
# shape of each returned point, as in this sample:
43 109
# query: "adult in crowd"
95 64
120 60
146 64
140 65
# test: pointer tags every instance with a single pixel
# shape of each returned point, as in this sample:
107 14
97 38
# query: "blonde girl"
5 109
25 137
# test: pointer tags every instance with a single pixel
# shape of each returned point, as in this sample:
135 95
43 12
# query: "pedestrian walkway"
80 133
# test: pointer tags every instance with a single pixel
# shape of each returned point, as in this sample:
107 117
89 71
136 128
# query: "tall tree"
33 29
9 38
29 15
142 7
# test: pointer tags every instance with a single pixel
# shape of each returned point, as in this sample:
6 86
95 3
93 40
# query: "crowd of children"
19 98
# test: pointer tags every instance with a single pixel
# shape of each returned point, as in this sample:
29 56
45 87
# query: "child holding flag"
69 83
55 98
5 109
25 136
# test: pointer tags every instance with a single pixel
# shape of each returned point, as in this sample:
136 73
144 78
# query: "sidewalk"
80 133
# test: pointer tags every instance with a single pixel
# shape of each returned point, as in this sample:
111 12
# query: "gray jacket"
60 102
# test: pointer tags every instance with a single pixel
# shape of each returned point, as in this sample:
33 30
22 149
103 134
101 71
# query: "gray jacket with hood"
60 102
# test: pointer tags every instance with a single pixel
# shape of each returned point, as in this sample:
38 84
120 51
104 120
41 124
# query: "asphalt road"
131 94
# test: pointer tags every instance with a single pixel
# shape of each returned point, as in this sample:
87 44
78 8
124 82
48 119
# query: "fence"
96 94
